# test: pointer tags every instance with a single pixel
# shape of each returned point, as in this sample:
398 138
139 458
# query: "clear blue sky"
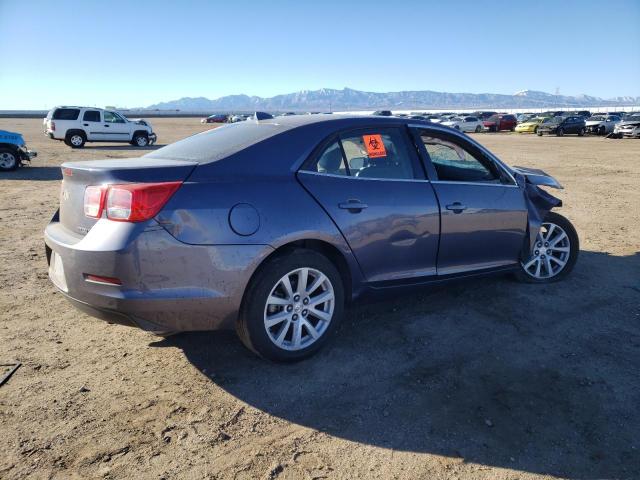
134 53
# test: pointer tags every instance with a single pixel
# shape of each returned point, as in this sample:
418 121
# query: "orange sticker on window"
374 145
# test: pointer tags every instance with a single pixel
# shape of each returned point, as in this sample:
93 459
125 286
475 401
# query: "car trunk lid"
76 176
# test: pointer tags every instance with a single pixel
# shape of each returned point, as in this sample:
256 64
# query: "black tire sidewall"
68 139
250 325
138 135
15 157
574 243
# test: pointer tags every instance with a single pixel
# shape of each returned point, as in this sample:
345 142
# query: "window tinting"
91 116
331 161
378 154
66 114
455 164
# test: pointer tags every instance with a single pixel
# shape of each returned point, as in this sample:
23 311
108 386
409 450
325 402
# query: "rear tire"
478 129
75 139
281 324
549 261
581 132
535 130
539 133
560 132
8 160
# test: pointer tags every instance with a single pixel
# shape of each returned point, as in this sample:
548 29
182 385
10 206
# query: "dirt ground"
487 379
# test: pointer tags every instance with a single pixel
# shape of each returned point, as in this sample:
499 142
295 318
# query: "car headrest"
331 160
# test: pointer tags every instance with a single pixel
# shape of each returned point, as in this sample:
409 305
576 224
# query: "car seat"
331 161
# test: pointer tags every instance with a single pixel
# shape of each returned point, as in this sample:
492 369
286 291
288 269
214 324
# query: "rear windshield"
66 114
218 143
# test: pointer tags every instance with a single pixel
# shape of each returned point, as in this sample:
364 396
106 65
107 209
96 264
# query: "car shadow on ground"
536 378
32 173
120 148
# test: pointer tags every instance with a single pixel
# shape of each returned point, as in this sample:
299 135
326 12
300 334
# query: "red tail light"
129 202
53 126
137 202
94 200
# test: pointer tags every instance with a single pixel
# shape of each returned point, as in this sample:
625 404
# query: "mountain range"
327 99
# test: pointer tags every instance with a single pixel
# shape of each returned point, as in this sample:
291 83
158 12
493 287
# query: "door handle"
85 124
107 126
353 205
456 207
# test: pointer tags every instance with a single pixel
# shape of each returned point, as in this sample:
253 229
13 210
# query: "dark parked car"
563 125
274 226
383 113
483 115
500 121
216 118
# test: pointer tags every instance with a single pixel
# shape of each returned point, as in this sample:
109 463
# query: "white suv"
78 125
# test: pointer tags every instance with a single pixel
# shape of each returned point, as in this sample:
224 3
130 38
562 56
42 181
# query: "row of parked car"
613 124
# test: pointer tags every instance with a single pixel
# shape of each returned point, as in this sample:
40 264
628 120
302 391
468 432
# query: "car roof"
302 130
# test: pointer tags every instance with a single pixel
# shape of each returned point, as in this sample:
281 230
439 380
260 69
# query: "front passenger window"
455 164
110 117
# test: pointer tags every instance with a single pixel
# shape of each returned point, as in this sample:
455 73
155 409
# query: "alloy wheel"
299 309
550 252
7 160
76 140
141 141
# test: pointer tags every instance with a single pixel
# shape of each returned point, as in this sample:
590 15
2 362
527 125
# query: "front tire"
535 130
560 132
478 129
140 140
581 132
554 252
292 306
8 160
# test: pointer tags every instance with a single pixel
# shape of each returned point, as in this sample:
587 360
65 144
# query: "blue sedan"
273 226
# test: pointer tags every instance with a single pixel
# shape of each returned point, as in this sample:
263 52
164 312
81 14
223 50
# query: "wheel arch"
140 132
71 131
10 146
331 252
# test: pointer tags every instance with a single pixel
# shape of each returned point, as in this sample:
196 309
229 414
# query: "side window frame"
505 178
417 165
92 111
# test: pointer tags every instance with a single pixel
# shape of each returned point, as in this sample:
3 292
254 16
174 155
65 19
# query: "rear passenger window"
379 154
66 114
331 161
91 116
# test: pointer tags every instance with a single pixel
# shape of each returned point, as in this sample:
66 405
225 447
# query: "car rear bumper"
166 285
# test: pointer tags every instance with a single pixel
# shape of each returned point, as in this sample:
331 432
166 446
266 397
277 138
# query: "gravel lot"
483 379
